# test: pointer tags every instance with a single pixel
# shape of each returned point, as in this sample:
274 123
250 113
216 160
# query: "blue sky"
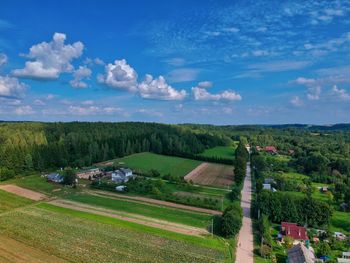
219 62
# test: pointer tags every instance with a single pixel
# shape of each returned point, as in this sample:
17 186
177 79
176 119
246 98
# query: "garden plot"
218 175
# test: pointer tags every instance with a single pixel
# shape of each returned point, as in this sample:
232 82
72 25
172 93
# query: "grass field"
222 152
10 201
83 237
158 212
340 222
146 161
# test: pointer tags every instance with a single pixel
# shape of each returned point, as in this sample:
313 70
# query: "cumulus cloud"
119 75
158 88
296 101
50 59
11 87
304 81
3 59
81 73
341 94
24 110
200 93
39 102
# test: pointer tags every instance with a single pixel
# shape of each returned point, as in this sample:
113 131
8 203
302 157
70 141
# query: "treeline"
40 146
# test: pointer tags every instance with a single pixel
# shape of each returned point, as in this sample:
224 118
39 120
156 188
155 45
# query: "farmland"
212 174
144 162
98 238
159 212
10 201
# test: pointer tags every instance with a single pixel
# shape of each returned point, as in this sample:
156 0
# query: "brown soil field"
23 192
142 220
156 202
17 252
218 175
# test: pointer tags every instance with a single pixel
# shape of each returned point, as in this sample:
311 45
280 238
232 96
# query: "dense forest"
40 146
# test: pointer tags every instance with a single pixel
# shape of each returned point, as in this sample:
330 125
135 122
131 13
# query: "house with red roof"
298 233
271 149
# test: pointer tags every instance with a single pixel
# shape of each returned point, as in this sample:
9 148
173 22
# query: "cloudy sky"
220 62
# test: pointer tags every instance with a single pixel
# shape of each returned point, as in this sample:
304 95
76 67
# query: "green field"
83 237
145 162
163 213
10 201
340 222
221 152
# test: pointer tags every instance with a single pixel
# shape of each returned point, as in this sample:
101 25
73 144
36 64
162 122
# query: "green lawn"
222 152
146 161
10 201
159 212
84 237
294 176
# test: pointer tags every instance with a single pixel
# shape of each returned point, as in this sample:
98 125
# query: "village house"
298 233
122 175
301 254
339 236
88 174
269 181
271 149
269 187
55 177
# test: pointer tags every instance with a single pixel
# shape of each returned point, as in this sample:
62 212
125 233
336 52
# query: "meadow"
10 201
148 210
145 162
84 237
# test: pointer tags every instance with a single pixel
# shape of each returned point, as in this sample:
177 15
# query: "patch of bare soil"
23 192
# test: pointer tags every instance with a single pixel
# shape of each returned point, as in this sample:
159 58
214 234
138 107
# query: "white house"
122 175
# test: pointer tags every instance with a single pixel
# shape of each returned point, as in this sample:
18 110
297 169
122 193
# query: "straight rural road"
245 246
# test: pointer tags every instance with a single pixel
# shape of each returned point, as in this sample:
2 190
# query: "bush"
6 174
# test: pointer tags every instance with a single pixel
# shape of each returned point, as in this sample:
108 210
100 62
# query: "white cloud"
3 59
183 75
88 102
313 93
99 61
296 101
200 93
11 87
93 110
205 84
119 75
50 96
81 73
178 62
24 110
158 88
39 102
342 94
231 29
50 59
260 53
150 112
304 81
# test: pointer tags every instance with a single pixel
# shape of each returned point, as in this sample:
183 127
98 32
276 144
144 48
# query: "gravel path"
245 245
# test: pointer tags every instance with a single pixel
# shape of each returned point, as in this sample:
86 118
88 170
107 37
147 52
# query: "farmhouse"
55 177
294 231
89 173
122 175
300 254
269 187
271 149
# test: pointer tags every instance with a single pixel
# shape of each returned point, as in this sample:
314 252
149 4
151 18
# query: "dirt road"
156 202
245 245
139 219
23 192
